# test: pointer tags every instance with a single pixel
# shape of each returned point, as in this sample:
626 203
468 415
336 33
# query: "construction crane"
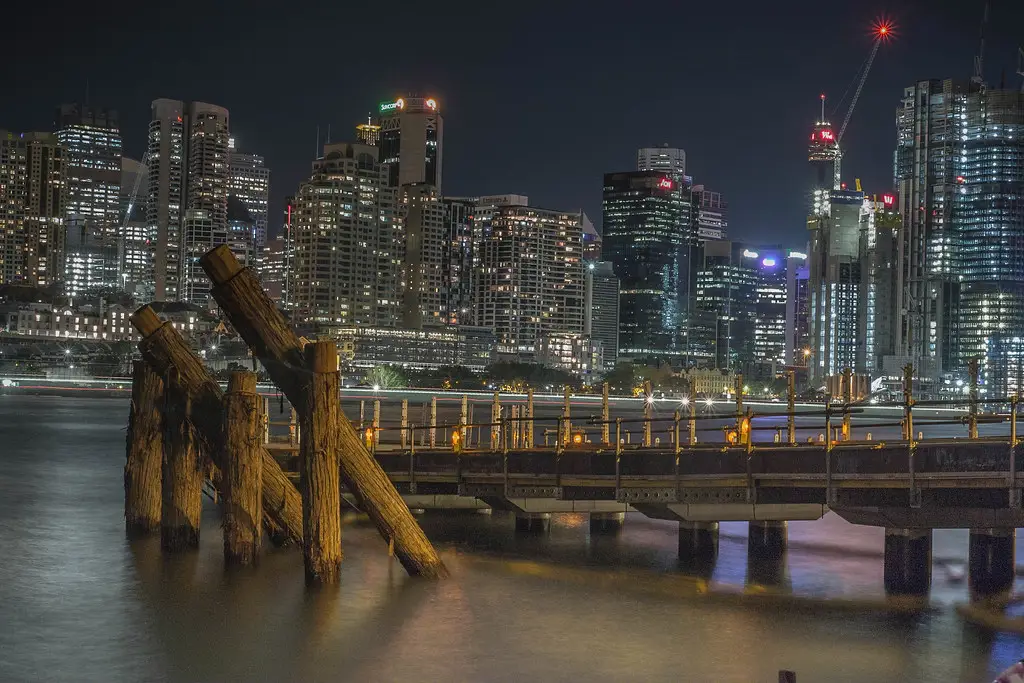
882 29
127 217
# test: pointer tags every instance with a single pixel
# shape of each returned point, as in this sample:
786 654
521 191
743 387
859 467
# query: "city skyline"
497 133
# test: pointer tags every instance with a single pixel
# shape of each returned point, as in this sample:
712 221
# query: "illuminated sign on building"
888 199
665 184
431 104
749 254
391 106
797 254
768 262
827 135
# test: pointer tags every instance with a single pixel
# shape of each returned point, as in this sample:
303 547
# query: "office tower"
44 209
457 257
138 243
91 141
188 193
711 214
601 310
240 235
249 180
368 133
881 263
12 207
770 310
838 286
346 243
530 277
797 350
649 238
726 306
272 268
823 156
422 215
665 160
592 242
411 141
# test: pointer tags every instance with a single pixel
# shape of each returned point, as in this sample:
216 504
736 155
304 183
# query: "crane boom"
127 217
860 87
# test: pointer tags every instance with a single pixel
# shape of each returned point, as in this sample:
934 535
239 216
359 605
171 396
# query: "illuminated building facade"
710 213
797 349
665 160
94 249
368 133
249 180
601 310
137 242
770 309
44 194
530 281
429 348
411 140
346 243
187 194
457 258
272 267
421 212
12 207
726 306
650 240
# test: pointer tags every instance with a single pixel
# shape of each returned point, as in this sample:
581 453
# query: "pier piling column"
908 561
243 473
321 498
144 461
183 472
533 522
698 546
766 552
991 563
606 522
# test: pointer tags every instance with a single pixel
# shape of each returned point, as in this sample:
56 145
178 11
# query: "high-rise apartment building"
346 243
601 310
666 160
530 277
457 258
13 151
421 212
770 309
91 141
797 350
249 180
649 238
188 193
45 171
881 263
411 140
272 267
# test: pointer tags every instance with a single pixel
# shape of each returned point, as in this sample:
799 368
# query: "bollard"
433 422
143 463
605 415
321 497
183 472
243 471
404 427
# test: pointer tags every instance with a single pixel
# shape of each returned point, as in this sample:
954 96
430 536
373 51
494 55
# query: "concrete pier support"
908 561
766 552
533 522
606 522
698 546
991 563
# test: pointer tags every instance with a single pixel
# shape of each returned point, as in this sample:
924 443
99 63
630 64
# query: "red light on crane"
883 28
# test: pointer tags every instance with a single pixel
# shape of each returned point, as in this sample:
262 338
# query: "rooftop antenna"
316 152
979 59
823 107
328 141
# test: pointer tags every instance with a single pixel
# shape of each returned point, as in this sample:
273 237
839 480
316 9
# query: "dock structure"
144 460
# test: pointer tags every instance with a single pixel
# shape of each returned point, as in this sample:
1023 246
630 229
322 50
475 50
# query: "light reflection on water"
79 602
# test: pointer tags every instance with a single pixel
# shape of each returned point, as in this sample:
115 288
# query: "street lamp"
376 387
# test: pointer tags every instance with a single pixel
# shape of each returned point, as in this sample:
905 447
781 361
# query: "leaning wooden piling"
321 494
243 470
183 471
164 349
273 341
144 461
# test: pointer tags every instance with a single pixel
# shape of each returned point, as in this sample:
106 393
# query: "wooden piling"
268 334
243 471
163 348
143 464
183 471
321 494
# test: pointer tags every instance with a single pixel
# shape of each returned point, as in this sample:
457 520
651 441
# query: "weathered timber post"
321 496
528 441
847 400
376 423
183 472
495 422
266 419
164 349
404 428
566 433
143 464
433 422
293 428
514 426
972 424
648 412
606 416
265 330
692 405
243 471
791 406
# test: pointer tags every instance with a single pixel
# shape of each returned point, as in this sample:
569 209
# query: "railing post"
693 420
495 422
433 421
565 425
463 420
648 413
362 416
847 400
791 407
618 436
908 402
972 424
675 433
559 444
513 415
605 415
739 400
829 489
266 419
376 424
529 422
1014 492
403 429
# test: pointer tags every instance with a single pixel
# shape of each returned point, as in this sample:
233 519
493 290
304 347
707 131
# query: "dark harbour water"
80 603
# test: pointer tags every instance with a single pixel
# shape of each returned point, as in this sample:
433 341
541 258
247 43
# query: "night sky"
538 98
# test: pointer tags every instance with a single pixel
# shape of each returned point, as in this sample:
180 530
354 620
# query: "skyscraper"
13 152
665 160
770 310
649 238
710 213
797 310
726 306
249 180
601 310
91 141
411 140
422 215
368 133
346 243
188 193
457 272
530 277
44 209
138 243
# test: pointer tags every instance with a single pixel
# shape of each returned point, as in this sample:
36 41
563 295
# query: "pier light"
709 402
684 401
376 387
577 438
650 399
